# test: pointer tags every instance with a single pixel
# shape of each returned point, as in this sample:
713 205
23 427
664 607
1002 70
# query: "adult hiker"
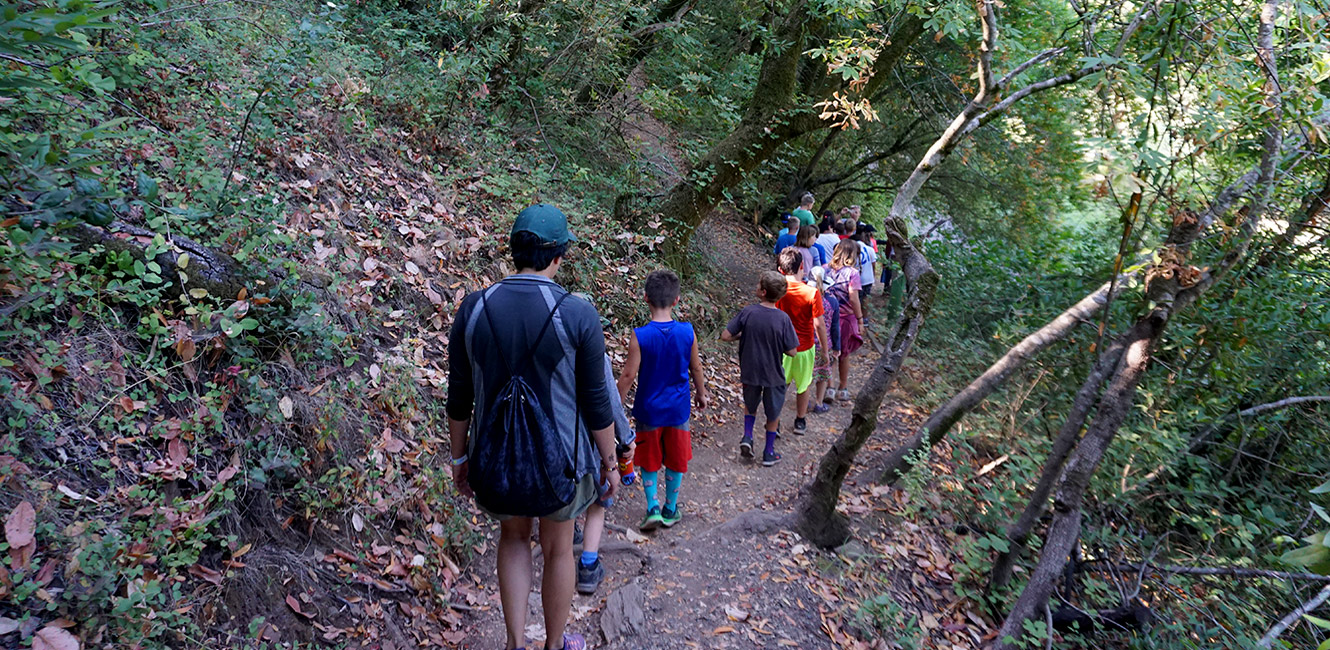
805 210
529 417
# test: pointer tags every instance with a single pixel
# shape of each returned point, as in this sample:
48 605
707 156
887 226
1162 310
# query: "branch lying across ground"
935 428
1306 608
1215 571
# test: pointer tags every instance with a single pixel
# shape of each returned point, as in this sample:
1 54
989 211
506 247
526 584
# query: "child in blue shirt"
662 358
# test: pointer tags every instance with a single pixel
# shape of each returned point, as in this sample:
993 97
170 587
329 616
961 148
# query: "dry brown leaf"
54 638
20 524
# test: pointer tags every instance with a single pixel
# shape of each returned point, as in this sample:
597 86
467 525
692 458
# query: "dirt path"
695 585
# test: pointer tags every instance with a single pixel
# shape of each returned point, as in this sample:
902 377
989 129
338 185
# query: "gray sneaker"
589 577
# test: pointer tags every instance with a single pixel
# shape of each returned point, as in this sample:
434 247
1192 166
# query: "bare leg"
556 590
820 390
595 527
801 404
844 371
515 576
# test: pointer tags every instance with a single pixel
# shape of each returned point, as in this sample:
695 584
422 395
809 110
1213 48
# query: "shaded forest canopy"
235 234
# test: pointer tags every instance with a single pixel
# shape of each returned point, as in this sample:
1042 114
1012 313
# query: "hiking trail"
701 583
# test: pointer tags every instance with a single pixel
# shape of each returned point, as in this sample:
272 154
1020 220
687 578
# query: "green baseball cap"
546 222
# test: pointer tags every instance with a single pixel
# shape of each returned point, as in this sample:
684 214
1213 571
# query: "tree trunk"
217 273
816 517
1166 295
775 116
935 428
1070 433
1137 345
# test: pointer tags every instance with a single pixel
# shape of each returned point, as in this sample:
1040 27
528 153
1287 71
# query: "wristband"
459 461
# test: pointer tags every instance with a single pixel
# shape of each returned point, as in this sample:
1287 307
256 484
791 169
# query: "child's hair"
818 279
773 285
662 288
806 236
845 254
828 222
845 227
806 199
790 261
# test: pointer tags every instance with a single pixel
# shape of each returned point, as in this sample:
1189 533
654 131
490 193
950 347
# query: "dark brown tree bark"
816 517
217 273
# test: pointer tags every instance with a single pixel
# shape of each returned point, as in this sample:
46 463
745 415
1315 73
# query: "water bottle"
607 501
627 473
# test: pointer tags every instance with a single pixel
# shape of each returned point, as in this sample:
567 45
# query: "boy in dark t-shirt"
765 335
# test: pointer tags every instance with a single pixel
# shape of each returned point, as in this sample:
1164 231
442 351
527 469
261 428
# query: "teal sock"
649 486
673 480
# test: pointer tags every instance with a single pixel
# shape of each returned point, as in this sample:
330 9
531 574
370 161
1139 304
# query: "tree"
816 515
1172 285
779 110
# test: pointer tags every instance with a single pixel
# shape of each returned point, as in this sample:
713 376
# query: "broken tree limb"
1087 397
1215 571
1302 610
204 268
1222 427
935 428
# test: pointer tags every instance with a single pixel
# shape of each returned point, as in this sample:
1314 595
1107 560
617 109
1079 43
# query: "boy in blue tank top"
662 358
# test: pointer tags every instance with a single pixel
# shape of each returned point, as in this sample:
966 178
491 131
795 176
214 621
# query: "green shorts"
582 498
799 369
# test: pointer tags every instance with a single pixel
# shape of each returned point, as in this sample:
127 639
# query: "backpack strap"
526 360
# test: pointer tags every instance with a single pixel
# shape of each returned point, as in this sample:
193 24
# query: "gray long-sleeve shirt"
568 385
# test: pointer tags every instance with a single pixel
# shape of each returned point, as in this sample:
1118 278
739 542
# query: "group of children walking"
806 323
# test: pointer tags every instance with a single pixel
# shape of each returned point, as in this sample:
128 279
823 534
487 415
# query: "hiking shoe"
589 576
770 458
652 521
668 517
574 642
577 534
821 408
746 447
800 426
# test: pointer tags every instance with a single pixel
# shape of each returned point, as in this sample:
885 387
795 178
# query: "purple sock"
771 442
748 425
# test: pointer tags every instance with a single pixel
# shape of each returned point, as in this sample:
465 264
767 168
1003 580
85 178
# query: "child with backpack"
766 337
662 358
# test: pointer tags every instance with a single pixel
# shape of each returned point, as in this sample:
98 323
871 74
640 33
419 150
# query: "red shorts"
668 446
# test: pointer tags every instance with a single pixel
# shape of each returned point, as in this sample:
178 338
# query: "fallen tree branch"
1219 571
1269 639
941 421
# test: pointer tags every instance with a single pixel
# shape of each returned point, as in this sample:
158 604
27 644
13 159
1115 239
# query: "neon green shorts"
799 369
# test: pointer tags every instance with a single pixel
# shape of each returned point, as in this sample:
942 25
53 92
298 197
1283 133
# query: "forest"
1091 411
